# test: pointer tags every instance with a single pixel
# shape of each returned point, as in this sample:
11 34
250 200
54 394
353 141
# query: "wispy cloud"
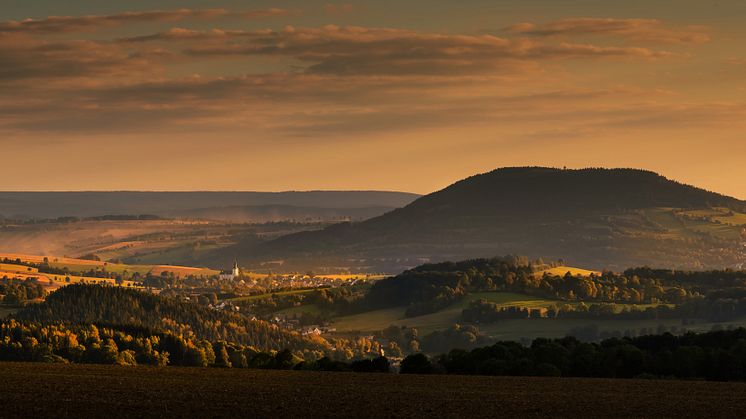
69 24
384 51
26 58
642 30
325 80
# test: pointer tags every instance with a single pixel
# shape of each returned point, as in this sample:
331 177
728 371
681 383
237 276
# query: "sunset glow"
236 95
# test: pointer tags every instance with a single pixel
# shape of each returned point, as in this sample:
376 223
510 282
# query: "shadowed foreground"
30 390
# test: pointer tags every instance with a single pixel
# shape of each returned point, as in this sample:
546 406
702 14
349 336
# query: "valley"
403 283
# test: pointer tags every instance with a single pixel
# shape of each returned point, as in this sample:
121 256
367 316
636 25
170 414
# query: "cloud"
328 80
70 24
26 58
641 30
359 50
303 105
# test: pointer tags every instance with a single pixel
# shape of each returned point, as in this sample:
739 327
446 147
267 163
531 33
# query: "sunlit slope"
82 265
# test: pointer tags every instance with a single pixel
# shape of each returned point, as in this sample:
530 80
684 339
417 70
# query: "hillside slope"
598 218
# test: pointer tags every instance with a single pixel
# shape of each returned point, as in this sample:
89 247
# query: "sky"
389 95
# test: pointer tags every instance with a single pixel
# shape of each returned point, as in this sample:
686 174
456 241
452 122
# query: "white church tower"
233 274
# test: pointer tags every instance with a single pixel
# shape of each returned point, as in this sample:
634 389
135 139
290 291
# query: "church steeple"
236 272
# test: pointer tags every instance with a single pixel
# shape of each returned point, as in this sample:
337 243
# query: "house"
311 330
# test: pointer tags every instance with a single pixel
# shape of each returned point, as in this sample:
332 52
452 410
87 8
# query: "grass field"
723 215
19 269
686 224
506 329
666 219
82 265
53 281
99 390
380 319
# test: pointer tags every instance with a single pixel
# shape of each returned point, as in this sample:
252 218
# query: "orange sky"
366 95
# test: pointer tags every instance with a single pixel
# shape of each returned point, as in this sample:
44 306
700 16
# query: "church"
233 274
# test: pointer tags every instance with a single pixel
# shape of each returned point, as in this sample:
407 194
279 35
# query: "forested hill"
116 306
593 217
521 189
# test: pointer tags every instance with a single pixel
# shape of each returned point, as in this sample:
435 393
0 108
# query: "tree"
417 363
222 359
194 357
381 364
284 360
394 351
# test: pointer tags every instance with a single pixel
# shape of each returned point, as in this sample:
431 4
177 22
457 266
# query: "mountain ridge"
87 204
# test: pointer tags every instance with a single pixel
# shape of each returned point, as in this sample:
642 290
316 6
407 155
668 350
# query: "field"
562 270
53 281
19 269
112 239
503 330
379 319
722 215
98 390
720 223
141 242
82 265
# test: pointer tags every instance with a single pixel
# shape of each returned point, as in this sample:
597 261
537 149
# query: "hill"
89 204
598 218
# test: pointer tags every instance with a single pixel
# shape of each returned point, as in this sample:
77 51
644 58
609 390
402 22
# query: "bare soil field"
34 390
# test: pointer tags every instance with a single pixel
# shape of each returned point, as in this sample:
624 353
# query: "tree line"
431 287
89 344
717 355
14 292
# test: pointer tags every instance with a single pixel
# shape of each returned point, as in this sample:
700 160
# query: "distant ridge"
87 204
595 217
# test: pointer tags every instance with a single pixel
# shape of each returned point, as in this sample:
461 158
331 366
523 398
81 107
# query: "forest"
718 294
717 355
117 306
